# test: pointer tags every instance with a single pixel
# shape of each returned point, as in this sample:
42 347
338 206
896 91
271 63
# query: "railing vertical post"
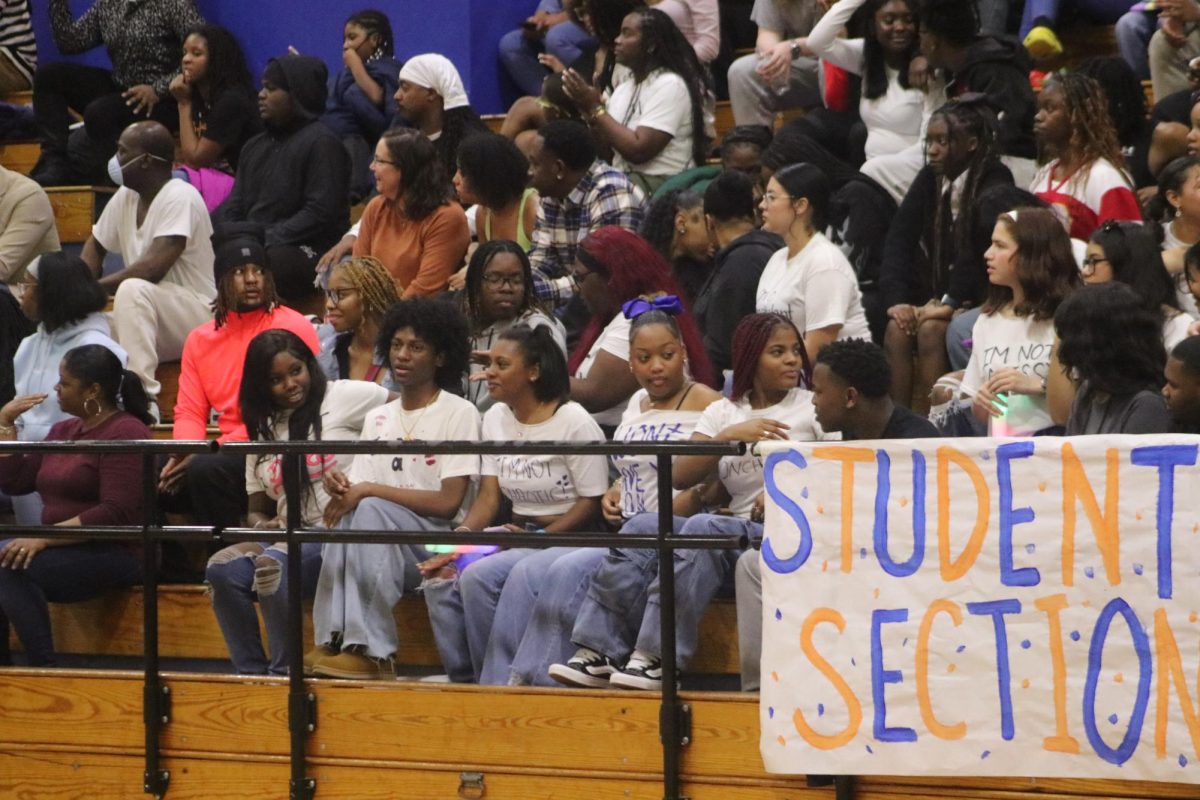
300 718
670 713
154 695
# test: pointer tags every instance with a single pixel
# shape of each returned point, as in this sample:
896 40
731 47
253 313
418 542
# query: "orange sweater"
421 255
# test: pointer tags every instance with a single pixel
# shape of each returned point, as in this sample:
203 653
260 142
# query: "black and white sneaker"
586 668
642 671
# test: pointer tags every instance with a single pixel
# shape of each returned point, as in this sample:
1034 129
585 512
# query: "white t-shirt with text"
815 288
1005 341
639 474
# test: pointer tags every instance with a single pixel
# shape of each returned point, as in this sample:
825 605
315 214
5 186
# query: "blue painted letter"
996 609
770 560
883 490
880 677
1141 646
1011 517
1165 458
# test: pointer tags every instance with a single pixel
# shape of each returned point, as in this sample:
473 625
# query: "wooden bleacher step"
20 156
76 209
112 626
75 733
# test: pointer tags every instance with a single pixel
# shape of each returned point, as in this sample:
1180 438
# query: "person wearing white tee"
480 614
1031 269
766 404
360 583
1179 198
613 267
666 408
284 395
810 281
160 227
654 122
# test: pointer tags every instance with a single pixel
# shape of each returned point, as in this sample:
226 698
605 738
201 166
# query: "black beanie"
234 253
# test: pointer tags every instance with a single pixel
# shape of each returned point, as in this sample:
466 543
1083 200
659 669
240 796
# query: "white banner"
983 607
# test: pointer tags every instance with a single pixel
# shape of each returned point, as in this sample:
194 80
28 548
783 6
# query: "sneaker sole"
573 677
332 672
625 681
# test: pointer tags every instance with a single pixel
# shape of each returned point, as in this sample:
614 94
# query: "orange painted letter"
1170 668
849 456
939 730
1061 741
953 570
853 706
1075 490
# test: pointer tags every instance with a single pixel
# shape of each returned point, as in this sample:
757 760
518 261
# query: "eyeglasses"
771 197
336 296
378 160
515 281
1089 264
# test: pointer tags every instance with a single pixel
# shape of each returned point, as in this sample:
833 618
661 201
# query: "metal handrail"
673 718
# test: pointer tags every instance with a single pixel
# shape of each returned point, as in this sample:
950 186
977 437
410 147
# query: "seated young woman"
1111 345
105 403
355 632
492 173
666 408
653 122
359 294
676 226
612 267
62 296
1176 211
499 295
931 267
1031 270
284 396
617 630
218 110
480 613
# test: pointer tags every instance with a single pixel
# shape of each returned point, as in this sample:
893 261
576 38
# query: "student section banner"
983 607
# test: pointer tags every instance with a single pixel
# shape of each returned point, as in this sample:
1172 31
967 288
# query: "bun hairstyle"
96 364
538 348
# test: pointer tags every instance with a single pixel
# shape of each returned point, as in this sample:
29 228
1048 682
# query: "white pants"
151 321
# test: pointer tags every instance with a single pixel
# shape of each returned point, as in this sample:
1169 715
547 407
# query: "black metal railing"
674 716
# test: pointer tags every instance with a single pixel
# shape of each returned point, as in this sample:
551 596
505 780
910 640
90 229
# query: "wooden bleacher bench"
76 209
20 156
112 626
494 121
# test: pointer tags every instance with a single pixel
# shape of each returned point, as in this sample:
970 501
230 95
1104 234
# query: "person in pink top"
212 486
1086 182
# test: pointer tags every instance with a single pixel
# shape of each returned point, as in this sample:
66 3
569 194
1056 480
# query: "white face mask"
116 170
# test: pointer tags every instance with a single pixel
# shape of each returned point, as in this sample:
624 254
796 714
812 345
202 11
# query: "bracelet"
596 114
7 429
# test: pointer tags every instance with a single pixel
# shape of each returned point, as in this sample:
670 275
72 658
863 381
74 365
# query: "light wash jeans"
360 584
480 616
566 41
233 597
622 608
747 581
958 338
1134 30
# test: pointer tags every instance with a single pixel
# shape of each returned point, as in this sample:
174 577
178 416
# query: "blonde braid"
374 283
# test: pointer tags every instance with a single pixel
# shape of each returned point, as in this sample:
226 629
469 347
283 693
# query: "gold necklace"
408 429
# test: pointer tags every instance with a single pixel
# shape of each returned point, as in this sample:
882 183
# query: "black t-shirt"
904 424
230 120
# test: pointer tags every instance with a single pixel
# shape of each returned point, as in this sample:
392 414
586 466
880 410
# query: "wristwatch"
796 50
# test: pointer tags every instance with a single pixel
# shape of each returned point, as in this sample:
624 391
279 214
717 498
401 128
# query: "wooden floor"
78 734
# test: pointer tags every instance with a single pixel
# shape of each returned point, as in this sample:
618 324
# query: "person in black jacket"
729 293
996 67
930 266
292 185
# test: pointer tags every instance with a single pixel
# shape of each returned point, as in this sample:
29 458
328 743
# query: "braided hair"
666 49
373 283
375 23
967 117
749 340
1092 133
227 300
658 226
472 301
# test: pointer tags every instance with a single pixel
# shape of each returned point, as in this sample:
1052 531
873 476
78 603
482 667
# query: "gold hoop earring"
85 407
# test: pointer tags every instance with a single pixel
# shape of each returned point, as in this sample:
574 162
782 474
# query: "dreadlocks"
373 283
666 49
749 340
227 299
966 118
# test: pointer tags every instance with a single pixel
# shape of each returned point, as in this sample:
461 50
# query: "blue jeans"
958 338
621 611
1134 30
1105 11
566 41
233 599
66 574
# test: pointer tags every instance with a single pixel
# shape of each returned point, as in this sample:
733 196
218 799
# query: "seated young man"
160 228
213 487
292 187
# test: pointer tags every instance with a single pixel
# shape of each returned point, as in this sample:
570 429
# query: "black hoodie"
999 68
292 184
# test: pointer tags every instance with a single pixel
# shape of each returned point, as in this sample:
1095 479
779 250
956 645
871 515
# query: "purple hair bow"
667 303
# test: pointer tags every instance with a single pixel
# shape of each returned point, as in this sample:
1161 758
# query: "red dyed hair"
633 268
749 340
